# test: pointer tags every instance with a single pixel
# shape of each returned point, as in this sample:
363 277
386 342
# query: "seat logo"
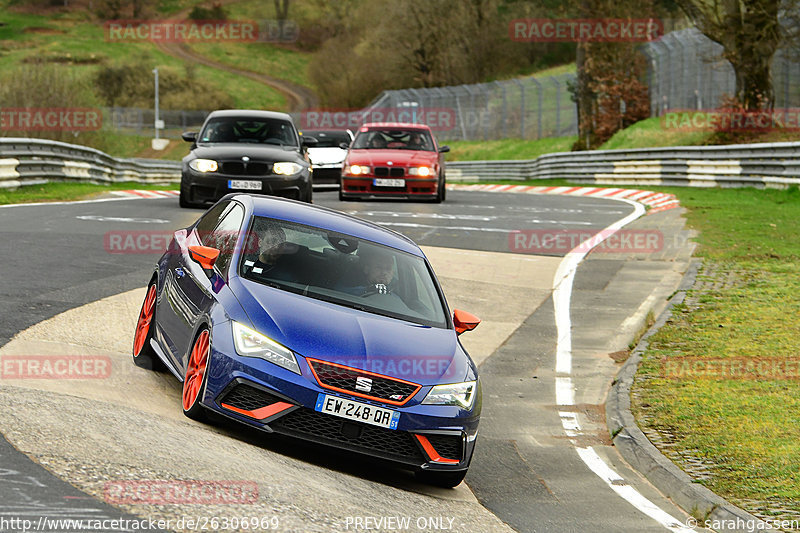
363 384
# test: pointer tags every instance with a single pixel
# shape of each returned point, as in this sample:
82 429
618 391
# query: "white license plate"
361 412
387 182
248 185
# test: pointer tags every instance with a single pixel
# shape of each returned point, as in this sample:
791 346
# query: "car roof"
407 125
327 219
255 113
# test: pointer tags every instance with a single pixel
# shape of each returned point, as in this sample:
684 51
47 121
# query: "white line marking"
565 391
597 465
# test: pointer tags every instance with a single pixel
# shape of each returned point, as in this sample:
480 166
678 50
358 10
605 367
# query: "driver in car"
378 273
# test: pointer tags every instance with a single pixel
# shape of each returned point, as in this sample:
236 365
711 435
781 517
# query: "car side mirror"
204 255
464 321
344 146
443 149
189 136
309 142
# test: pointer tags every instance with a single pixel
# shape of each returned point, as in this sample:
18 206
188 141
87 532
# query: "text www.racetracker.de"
197 523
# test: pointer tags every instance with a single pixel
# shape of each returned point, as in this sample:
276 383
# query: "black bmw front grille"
248 398
447 446
240 168
355 436
346 379
395 172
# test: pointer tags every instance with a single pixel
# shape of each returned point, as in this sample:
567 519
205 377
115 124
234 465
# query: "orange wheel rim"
195 370
145 319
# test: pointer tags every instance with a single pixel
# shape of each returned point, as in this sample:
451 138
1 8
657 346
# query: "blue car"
306 322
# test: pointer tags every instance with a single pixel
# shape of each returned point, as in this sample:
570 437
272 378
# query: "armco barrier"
33 161
756 165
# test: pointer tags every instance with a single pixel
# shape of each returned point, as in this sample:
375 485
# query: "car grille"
320 427
239 168
344 379
447 446
394 172
248 398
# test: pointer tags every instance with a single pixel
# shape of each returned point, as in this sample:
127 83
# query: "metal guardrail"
757 165
34 161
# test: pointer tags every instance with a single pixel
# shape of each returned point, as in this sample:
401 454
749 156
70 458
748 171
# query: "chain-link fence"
688 71
138 121
527 108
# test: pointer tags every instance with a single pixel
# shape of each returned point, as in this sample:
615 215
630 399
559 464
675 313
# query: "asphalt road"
525 470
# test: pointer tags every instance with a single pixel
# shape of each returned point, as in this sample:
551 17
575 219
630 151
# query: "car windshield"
343 270
249 130
400 139
328 139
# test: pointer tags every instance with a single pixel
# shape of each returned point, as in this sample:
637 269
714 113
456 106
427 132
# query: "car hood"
326 331
324 156
256 152
397 157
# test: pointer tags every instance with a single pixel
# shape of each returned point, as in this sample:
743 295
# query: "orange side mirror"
464 321
204 255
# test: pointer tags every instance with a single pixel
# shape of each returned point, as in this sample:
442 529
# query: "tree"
608 90
750 33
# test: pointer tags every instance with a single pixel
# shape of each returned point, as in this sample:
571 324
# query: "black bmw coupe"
251 151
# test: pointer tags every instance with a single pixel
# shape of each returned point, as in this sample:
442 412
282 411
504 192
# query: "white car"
327 156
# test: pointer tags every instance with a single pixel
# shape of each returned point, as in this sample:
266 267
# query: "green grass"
506 148
649 133
82 45
66 191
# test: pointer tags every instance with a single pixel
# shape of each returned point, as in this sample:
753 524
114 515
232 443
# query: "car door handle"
179 272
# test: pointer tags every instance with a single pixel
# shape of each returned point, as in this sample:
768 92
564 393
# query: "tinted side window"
210 221
225 235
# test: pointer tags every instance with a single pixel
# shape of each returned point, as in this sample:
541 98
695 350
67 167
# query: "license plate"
248 185
387 182
361 412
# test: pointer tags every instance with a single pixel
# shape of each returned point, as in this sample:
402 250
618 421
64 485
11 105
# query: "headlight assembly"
250 343
203 165
460 394
286 168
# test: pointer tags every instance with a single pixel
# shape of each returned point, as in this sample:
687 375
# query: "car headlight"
250 343
203 165
357 170
460 394
286 168
420 171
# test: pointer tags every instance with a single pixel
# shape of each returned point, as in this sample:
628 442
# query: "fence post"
521 108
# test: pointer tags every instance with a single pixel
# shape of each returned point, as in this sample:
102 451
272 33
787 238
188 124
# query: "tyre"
183 198
196 376
440 192
143 354
447 480
309 195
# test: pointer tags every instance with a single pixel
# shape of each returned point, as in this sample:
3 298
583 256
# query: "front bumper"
263 395
327 173
210 187
364 187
